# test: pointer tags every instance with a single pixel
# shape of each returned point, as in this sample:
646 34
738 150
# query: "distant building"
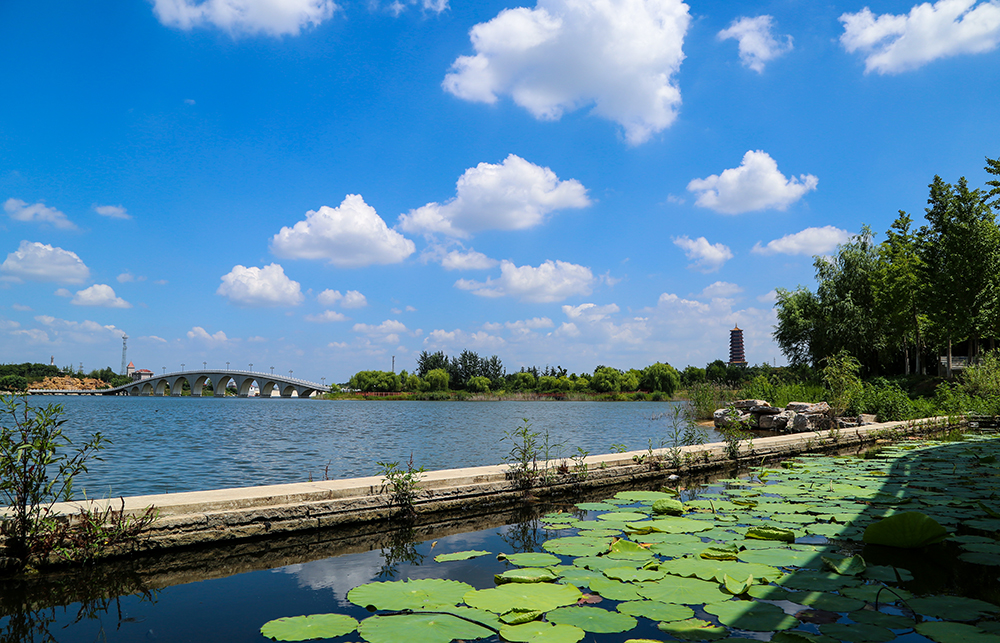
137 375
736 355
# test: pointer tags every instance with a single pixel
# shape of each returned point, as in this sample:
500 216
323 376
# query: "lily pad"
891 621
857 632
420 628
851 566
528 575
656 611
945 632
614 590
687 591
826 601
596 506
782 557
539 632
693 629
424 593
752 615
539 596
632 575
577 545
816 581
533 559
955 608
306 628
907 530
520 615
622 516
668 506
736 587
771 533
461 555
592 619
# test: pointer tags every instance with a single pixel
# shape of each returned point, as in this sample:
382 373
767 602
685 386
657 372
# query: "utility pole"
393 363
124 350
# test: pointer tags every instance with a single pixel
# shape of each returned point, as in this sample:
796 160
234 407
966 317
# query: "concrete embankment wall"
212 517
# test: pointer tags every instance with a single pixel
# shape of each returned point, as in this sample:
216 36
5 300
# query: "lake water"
167 445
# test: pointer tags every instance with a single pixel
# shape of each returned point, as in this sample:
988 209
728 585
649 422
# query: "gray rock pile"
797 417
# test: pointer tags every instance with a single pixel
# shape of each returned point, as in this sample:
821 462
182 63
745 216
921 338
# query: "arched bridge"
173 383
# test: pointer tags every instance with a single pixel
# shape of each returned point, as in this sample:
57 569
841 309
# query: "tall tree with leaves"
899 290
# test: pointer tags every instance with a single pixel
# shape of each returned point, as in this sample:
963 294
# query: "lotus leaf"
945 632
600 563
632 575
891 621
720 552
693 629
623 516
576 545
907 530
871 593
579 576
717 569
424 593
668 506
888 574
687 591
752 615
845 566
538 632
532 559
622 545
656 611
674 525
539 596
834 530
614 590
782 557
816 581
420 628
520 615
306 628
527 575
980 558
825 601
771 533
857 632
955 608
736 587
798 636
769 592
592 619
461 555
597 533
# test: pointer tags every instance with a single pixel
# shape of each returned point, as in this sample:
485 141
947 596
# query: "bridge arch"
147 389
161 387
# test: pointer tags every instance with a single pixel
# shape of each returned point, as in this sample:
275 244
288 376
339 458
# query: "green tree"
899 289
796 332
606 380
692 375
716 371
375 381
437 379
479 384
660 377
522 381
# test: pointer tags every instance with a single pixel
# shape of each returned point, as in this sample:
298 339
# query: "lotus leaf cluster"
781 552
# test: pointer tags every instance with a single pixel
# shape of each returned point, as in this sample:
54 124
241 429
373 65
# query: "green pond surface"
901 545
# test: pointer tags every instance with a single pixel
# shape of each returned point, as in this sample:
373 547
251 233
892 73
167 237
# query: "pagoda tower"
736 355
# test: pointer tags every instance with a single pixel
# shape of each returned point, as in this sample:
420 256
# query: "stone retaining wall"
212 517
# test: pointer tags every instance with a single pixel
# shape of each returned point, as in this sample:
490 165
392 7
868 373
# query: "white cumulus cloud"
387 332
551 281
99 295
354 299
618 55
894 43
36 261
19 210
272 17
327 316
755 185
756 42
329 297
811 241
589 312
351 235
707 257
267 286
112 211
721 289
467 260
512 195
201 334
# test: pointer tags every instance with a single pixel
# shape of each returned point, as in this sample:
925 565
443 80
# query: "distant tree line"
475 374
20 377
899 304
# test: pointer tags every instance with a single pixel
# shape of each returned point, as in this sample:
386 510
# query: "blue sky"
321 185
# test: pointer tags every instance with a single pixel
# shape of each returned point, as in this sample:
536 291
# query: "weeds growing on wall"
681 431
38 464
522 460
403 483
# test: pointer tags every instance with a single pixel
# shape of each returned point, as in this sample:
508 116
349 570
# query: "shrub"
13 383
886 400
660 377
606 380
437 379
371 381
479 384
